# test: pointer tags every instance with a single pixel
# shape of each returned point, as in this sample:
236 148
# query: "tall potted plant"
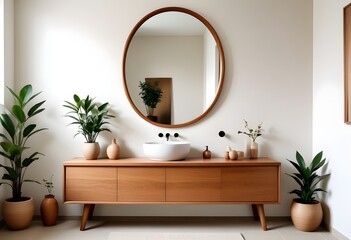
15 132
151 96
306 211
91 119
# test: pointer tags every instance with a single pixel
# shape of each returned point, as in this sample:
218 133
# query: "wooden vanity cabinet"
193 181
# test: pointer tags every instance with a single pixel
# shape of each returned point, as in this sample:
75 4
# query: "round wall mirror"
173 67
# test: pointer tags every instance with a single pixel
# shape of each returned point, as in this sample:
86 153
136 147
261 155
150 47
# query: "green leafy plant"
252 133
48 184
151 96
89 116
307 177
17 131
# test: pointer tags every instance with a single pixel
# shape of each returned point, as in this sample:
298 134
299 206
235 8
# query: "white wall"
7 67
329 131
64 47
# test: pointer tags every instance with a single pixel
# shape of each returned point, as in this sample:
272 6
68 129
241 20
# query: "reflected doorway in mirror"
163 111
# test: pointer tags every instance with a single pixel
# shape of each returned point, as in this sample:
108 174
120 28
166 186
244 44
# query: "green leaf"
36 131
26 93
32 110
300 160
9 126
28 129
19 101
76 99
103 106
18 113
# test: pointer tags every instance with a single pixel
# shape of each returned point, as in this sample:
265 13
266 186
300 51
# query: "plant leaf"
28 129
32 110
18 113
26 93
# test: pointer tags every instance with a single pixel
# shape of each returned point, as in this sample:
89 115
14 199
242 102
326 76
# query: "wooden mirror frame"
220 52
347 64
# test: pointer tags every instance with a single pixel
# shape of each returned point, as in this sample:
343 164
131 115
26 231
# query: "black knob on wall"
221 133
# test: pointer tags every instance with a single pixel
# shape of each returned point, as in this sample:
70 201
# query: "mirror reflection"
173 69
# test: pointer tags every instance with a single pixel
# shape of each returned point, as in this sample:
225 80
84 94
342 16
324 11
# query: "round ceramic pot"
49 210
18 215
91 150
306 217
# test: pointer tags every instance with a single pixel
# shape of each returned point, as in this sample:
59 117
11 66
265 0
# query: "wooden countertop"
198 162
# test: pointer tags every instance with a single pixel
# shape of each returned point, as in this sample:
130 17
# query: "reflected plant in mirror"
151 95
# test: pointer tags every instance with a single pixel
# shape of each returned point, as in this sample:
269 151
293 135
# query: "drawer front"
141 184
94 184
250 184
192 184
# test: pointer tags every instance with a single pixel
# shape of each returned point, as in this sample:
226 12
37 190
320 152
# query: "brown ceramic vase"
49 210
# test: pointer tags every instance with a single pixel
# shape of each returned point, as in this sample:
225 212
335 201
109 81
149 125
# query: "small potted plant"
252 148
151 96
17 128
91 119
49 206
306 211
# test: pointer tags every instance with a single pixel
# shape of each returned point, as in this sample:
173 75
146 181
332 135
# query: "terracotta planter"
18 215
113 150
49 210
306 217
91 150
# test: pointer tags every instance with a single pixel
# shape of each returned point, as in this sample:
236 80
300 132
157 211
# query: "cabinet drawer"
192 184
141 184
250 184
91 184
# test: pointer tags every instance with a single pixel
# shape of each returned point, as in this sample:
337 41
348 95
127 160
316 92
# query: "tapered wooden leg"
254 211
262 216
86 211
91 211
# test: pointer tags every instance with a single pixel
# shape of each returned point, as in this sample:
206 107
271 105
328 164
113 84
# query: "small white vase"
254 149
91 151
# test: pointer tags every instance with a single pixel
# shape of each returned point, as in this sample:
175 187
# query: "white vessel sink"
163 151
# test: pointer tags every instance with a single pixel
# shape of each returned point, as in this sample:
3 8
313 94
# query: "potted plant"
306 211
151 96
49 206
16 130
252 146
91 119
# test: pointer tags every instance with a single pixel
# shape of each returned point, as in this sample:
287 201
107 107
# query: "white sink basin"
163 151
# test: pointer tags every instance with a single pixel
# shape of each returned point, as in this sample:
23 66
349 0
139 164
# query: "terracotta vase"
247 153
18 215
91 151
113 150
306 217
254 149
49 210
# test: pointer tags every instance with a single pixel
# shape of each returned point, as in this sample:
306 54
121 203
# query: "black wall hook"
221 133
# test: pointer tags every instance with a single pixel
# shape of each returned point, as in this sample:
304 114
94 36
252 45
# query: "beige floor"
281 229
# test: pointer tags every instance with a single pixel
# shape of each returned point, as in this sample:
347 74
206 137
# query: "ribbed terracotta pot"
18 215
49 210
91 151
306 217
